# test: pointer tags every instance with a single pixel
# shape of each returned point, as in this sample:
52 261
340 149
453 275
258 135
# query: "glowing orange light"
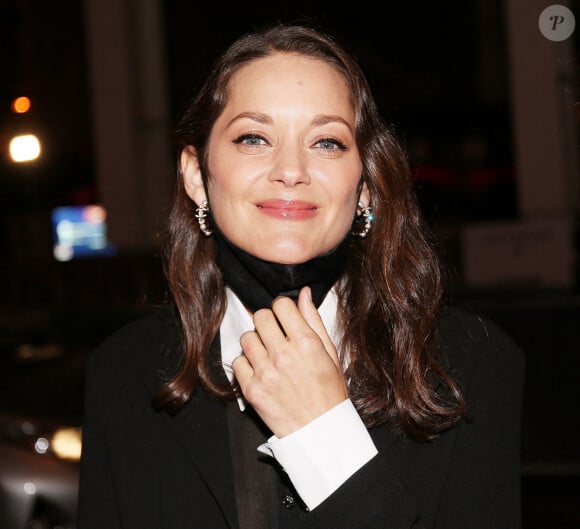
21 105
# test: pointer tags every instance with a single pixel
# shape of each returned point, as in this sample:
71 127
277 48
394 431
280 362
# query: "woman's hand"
290 372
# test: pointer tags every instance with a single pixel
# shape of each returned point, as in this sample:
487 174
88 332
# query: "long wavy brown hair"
390 295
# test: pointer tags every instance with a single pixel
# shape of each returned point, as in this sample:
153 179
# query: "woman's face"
284 171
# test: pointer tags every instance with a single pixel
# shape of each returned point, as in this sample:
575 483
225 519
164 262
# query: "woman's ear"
192 180
365 195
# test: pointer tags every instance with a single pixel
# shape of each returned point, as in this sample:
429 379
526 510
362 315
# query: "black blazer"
144 469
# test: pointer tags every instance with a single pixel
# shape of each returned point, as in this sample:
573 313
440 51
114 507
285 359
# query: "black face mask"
257 282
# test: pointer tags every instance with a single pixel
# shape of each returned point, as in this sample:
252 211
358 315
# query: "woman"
307 374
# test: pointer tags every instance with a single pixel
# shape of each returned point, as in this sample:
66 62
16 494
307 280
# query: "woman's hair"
390 296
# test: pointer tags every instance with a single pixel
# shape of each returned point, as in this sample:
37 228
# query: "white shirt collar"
237 321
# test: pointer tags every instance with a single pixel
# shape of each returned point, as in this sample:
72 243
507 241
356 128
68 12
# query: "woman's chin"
285 252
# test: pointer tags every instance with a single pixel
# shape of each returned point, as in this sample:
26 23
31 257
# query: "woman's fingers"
312 317
268 329
253 348
243 371
303 318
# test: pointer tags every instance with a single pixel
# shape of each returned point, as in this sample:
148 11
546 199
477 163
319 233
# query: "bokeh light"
67 443
21 105
24 148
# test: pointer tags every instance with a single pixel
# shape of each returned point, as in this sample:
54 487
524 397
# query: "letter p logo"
557 22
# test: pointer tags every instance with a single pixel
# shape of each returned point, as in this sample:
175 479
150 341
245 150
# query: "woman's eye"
331 144
250 139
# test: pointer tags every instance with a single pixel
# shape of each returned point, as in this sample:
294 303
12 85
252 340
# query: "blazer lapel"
200 426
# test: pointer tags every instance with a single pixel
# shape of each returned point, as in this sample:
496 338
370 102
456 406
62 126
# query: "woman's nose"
290 166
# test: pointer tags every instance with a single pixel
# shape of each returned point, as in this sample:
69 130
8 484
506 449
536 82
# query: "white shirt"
323 454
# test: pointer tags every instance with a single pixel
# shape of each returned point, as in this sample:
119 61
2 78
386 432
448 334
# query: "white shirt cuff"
322 455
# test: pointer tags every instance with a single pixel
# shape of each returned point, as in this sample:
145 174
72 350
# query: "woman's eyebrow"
324 119
259 117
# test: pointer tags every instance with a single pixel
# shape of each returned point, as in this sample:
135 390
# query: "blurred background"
483 94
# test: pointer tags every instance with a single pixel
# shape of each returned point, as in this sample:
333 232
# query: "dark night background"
440 75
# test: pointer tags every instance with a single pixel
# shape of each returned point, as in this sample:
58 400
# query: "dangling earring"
366 218
201 216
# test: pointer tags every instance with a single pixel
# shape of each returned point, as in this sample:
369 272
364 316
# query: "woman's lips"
288 209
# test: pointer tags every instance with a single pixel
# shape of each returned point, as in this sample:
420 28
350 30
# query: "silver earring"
365 217
201 216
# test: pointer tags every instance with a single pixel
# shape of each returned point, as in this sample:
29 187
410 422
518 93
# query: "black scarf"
257 282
